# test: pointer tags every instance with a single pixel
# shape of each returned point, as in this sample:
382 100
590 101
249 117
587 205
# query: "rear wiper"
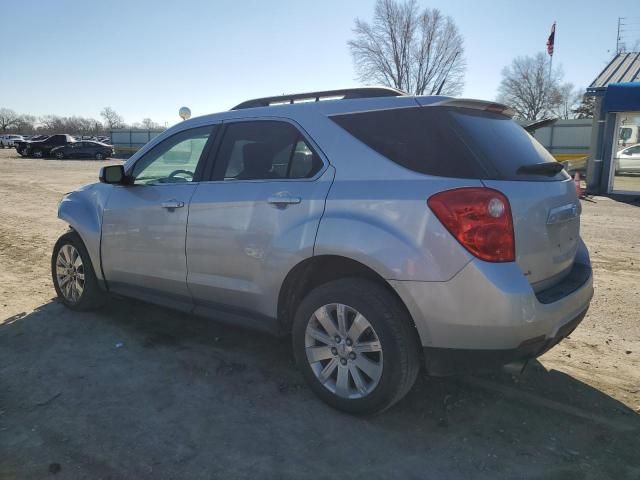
545 168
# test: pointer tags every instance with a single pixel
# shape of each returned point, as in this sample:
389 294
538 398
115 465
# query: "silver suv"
384 232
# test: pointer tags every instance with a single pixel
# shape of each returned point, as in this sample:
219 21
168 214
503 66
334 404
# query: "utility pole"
618 36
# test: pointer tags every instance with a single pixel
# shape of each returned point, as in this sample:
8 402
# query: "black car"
84 149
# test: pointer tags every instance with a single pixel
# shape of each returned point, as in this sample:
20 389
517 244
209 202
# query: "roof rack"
347 93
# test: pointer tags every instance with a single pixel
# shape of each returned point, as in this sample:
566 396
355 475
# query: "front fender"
82 210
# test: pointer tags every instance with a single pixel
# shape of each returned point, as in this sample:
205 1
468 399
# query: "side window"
625 133
265 150
173 160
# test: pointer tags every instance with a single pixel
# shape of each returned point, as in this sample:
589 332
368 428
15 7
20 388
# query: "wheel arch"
318 270
82 211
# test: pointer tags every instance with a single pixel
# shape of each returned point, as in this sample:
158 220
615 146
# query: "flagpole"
550 49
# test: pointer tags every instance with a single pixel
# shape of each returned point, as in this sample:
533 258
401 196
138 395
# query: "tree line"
13 122
421 52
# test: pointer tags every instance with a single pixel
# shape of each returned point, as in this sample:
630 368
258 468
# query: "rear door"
144 224
256 218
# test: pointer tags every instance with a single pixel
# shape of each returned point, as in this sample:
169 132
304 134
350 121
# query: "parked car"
83 149
628 160
385 232
8 141
42 148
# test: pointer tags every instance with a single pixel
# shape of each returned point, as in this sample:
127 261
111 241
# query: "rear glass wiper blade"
545 168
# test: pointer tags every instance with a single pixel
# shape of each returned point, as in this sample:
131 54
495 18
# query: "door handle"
283 199
171 204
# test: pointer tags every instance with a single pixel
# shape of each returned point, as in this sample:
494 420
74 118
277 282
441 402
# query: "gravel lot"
138 392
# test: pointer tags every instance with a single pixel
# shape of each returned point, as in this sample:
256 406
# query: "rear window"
450 142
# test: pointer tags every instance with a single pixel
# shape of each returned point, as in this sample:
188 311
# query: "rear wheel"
356 346
73 276
60 155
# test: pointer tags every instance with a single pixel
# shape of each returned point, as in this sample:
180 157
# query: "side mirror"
112 174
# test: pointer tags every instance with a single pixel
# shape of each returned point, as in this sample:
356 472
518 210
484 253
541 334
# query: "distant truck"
42 148
629 135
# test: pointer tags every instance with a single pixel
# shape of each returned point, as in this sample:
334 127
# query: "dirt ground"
138 392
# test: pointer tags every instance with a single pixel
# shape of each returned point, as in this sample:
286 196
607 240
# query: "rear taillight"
480 219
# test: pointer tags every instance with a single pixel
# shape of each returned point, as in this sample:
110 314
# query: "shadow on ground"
140 392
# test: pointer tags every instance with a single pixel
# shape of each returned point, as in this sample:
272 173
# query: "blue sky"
146 59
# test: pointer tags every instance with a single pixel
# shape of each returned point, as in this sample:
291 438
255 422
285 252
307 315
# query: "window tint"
265 150
625 133
173 160
450 142
420 139
633 150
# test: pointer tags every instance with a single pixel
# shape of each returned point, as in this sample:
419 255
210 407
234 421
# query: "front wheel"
99 156
356 346
38 154
73 276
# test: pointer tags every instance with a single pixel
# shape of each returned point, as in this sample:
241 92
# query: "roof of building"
625 67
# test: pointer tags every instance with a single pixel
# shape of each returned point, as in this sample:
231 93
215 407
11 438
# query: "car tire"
38 154
387 374
80 291
59 155
99 156
23 152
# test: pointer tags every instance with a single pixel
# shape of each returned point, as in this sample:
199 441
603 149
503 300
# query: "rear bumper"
489 310
453 361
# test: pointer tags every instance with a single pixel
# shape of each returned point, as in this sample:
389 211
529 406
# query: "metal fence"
128 141
566 139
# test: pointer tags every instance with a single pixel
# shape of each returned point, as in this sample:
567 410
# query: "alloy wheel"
70 273
343 351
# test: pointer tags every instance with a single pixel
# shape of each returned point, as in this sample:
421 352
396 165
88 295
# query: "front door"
76 150
144 223
256 219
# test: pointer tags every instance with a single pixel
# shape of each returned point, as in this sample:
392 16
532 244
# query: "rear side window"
265 150
449 142
502 143
420 139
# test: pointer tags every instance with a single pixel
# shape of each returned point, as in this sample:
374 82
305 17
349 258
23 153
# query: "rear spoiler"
470 103
533 126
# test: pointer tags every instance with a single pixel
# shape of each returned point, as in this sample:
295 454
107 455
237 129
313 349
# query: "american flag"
551 39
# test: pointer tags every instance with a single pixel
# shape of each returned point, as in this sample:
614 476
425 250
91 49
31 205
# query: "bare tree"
111 118
26 124
8 118
529 89
567 97
51 124
585 108
415 51
149 124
